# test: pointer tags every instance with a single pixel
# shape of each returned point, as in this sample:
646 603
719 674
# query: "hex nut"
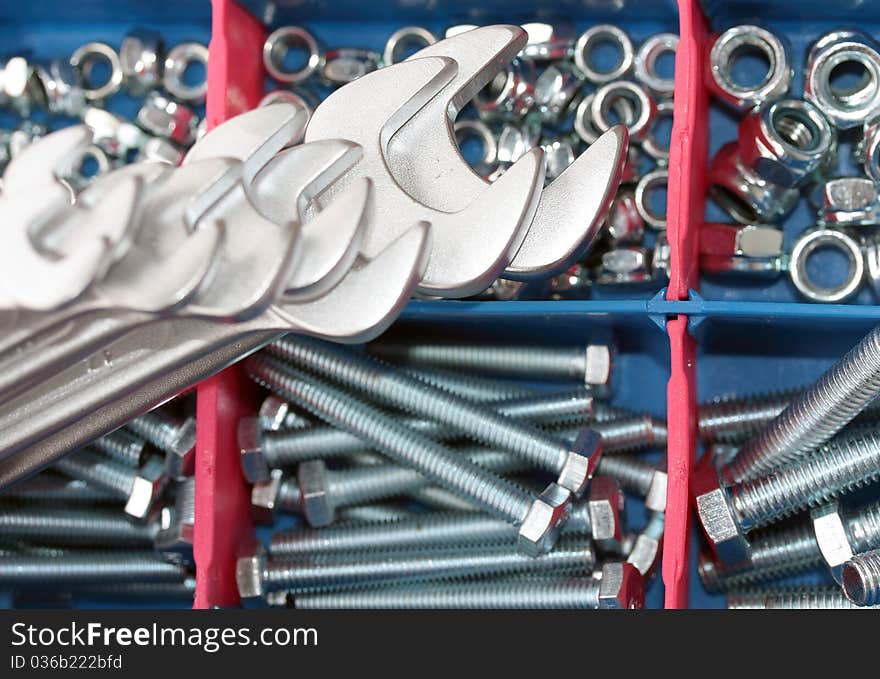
749 240
814 239
317 505
645 63
510 94
717 517
592 38
559 154
59 83
831 535
655 180
850 107
651 145
606 507
556 90
158 150
514 141
177 63
264 498
112 133
468 128
624 223
342 66
621 587
84 60
722 58
638 107
547 42
847 201
403 40
624 265
141 59
168 119
543 522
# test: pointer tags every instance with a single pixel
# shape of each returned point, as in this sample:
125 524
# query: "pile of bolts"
448 476
788 488
789 148
112 521
559 94
170 86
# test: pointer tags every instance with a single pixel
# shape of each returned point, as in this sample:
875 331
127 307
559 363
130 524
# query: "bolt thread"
733 421
546 363
93 468
861 579
816 414
185 501
50 487
435 462
471 387
633 474
94 527
286 449
604 412
183 590
629 434
790 598
86 567
534 594
393 388
330 572
121 446
373 514
863 527
440 499
157 428
842 466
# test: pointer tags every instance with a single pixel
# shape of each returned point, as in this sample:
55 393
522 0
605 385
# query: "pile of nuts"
110 522
398 511
557 94
49 95
770 491
789 147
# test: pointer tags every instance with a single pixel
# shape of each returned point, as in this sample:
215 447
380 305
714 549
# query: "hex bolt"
275 414
86 566
440 499
68 526
140 489
539 519
367 514
122 446
256 575
176 439
730 420
827 597
177 524
815 415
638 477
574 463
625 435
317 492
184 590
50 487
861 578
469 386
262 451
621 586
727 513
590 365
646 549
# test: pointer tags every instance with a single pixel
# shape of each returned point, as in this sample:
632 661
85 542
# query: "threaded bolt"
84 527
827 597
257 576
861 578
627 434
367 514
539 520
176 439
638 477
51 487
470 387
122 446
440 499
574 464
733 421
86 567
590 364
815 415
262 451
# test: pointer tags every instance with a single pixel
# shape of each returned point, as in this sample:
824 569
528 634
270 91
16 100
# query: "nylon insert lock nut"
624 222
821 238
741 249
60 86
844 107
515 140
404 42
158 150
279 44
342 66
724 54
657 180
630 103
585 52
624 265
556 90
179 62
21 87
867 151
547 42
846 201
510 94
141 58
168 119
645 63
86 58
112 133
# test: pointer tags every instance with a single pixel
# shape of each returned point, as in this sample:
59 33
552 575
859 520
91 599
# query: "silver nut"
831 535
168 119
264 498
847 201
583 120
179 64
474 133
63 94
581 462
661 259
724 54
514 141
621 587
559 154
750 249
811 241
83 166
157 150
630 103
146 489
624 223
645 63
301 99
404 42
542 524
280 43
342 66
21 86
86 58
547 42
844 107
624 265
717 517
317 505
510 94
141 59
112 133
606 505
594 37
652 182
652 146
555 91
867 151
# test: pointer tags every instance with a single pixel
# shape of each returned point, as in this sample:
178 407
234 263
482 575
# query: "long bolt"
86 567
574 464
258 576
626 434
590 364
122 446
51 487
827 597
470 387
815 415
437 463
440 499
366 514
93 468
93 527
861 578
177 439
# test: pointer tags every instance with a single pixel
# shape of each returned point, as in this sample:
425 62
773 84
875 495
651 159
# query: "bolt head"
543 522
599 364
253 461
249 575
317 505
273 412
146 489
717 517
581 462
655 500
180 457
645 553
606 507
264 498
621 587
175 538
831 536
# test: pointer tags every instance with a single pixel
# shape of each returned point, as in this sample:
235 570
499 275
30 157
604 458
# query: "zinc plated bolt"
176 439
621 587
68 526
275 414
803 597
376 513
573 463
440 499
539 519
727 513
861 578
184 590
86 566
815 415
256 575
729 420
646 549
262 451
50 487
590 365
638 477
469 386
122 446
624 435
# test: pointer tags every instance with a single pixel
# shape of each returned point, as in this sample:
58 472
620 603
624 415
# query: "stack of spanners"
154 277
